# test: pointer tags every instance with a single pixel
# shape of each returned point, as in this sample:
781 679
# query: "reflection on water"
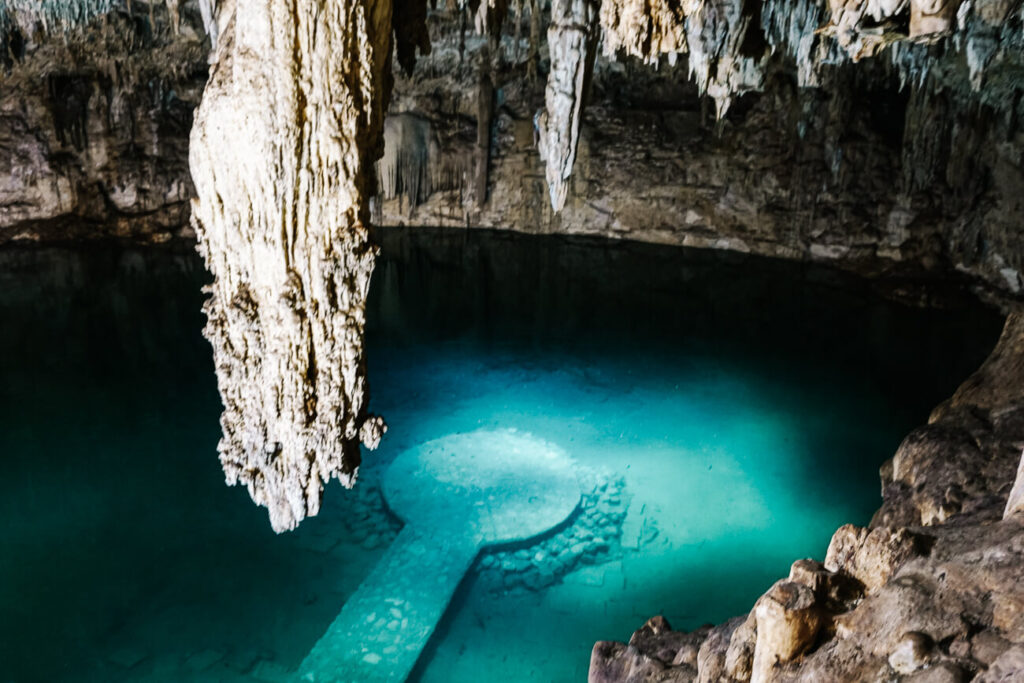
730 413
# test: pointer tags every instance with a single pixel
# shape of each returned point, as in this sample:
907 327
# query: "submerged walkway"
456 495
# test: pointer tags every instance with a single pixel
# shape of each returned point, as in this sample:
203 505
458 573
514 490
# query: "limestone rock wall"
94 122
721 125
893 165
699 124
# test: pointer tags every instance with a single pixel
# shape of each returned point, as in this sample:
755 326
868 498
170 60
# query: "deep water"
745 403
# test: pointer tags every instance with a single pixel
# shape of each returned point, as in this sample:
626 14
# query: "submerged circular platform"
492 486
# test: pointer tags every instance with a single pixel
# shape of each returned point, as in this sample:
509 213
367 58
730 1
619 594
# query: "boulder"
873 556
788 621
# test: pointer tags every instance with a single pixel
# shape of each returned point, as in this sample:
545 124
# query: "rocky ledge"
931 590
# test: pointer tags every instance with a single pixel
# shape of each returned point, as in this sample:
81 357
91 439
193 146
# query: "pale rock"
872 556
914 651
572 40
711 656
281 156
788 621
1015 503
739 657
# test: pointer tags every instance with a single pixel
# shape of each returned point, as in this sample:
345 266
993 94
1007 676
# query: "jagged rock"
1015 503
943 672
646 30
281 215
739 657
788 621
872 556
655 653
834 591
612 662
572 40
942 603
905 163
930 17
986 647
1006 668
960 465
408 167
903 180
711 657
94 125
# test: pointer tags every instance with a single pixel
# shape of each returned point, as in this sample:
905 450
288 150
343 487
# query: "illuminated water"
746 404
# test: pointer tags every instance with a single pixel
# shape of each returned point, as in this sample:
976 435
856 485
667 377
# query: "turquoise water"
745 405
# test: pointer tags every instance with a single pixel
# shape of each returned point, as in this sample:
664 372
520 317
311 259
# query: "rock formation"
572 39
905 162
94 122
281 217
931 590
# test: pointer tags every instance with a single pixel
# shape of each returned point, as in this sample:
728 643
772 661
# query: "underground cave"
546 340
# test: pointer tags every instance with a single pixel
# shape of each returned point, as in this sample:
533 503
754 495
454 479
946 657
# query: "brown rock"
739 657
929 17
618 663
987 646
943 672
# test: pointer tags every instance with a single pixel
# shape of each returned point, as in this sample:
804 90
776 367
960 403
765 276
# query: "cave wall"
853 163
94 125
865 169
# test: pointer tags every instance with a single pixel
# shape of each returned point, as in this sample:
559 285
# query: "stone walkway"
456 495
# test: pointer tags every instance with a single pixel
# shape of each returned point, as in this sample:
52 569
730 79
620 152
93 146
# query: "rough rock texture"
572 38
882 136
884 166
94 123
932 590
281 217
905 162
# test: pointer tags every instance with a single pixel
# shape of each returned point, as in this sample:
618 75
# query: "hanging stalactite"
282 156
572 40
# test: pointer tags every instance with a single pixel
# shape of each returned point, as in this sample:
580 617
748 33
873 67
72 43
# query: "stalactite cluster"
730 47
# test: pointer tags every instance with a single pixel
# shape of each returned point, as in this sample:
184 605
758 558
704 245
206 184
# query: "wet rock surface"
593 537
931 590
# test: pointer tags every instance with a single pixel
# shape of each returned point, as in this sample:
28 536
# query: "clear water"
746 403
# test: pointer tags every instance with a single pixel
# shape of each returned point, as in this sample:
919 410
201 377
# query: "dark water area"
746 403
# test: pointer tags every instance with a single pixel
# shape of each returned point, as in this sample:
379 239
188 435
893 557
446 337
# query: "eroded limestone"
282 156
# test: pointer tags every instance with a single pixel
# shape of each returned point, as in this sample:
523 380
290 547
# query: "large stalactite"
282 155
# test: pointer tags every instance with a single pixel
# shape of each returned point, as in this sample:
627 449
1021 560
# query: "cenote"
725 414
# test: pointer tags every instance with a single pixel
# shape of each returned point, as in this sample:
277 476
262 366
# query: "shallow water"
746 405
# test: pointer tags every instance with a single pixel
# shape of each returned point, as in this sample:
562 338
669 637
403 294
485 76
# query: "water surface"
745 403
